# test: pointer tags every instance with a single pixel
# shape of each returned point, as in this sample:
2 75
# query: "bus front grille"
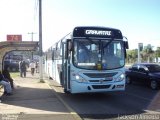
100 75
100 81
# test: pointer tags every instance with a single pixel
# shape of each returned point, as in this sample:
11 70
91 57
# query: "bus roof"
95 31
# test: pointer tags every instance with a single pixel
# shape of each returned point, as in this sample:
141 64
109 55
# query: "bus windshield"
96 54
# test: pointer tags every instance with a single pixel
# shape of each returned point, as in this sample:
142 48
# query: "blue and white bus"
89 59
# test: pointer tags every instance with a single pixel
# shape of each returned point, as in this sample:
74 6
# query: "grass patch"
14 74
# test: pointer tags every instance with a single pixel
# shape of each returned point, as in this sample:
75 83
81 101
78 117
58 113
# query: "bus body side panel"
54 70
45 67
49 68
58 69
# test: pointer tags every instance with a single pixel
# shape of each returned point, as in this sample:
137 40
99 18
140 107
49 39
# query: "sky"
138 20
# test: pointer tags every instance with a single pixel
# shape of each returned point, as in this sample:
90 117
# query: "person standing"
83 54
23 68
20 63
32 66
37 67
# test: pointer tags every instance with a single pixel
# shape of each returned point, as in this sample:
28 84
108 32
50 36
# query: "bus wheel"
65 91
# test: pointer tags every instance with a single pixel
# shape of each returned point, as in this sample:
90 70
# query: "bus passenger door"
65 69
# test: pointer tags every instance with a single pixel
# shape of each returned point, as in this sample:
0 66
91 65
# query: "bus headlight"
120 78
80 79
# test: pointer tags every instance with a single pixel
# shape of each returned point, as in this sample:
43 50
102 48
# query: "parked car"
147 73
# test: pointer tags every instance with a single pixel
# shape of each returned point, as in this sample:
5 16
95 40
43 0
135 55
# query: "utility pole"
32 33
40 42
138 54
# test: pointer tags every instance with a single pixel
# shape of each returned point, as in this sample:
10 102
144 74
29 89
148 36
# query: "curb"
72 112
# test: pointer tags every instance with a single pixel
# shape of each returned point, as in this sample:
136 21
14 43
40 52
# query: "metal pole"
138 54
140 48
40 42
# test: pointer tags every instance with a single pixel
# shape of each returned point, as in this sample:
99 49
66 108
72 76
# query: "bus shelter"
6 47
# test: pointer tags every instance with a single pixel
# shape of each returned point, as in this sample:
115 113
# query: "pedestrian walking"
32 66
37 67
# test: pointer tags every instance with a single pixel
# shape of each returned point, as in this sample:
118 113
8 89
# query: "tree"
132 56
157 53
148 53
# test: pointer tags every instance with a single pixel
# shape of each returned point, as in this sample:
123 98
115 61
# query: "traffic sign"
14 37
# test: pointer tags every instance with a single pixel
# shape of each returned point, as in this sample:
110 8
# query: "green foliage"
132 56
147 54
14 74
157 52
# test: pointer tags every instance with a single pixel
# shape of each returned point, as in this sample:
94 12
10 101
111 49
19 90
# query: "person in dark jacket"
7 76
6 84
23 68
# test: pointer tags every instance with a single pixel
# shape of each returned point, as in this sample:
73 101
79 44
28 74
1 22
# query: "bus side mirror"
126 44
56 46
53 55
68 48
69 44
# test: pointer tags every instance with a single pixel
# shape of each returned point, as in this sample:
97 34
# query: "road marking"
152 112
72 112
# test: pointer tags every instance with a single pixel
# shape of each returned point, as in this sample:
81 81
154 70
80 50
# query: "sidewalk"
32 100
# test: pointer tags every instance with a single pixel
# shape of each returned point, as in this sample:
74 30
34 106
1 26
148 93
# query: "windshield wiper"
108 43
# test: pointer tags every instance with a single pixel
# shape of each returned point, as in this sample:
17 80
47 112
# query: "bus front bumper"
78 87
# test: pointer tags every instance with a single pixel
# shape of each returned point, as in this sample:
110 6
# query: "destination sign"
98 32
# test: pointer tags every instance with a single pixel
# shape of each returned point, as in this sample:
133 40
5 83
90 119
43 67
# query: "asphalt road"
34 97
136 99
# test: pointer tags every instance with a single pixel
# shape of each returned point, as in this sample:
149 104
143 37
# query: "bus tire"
66 91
